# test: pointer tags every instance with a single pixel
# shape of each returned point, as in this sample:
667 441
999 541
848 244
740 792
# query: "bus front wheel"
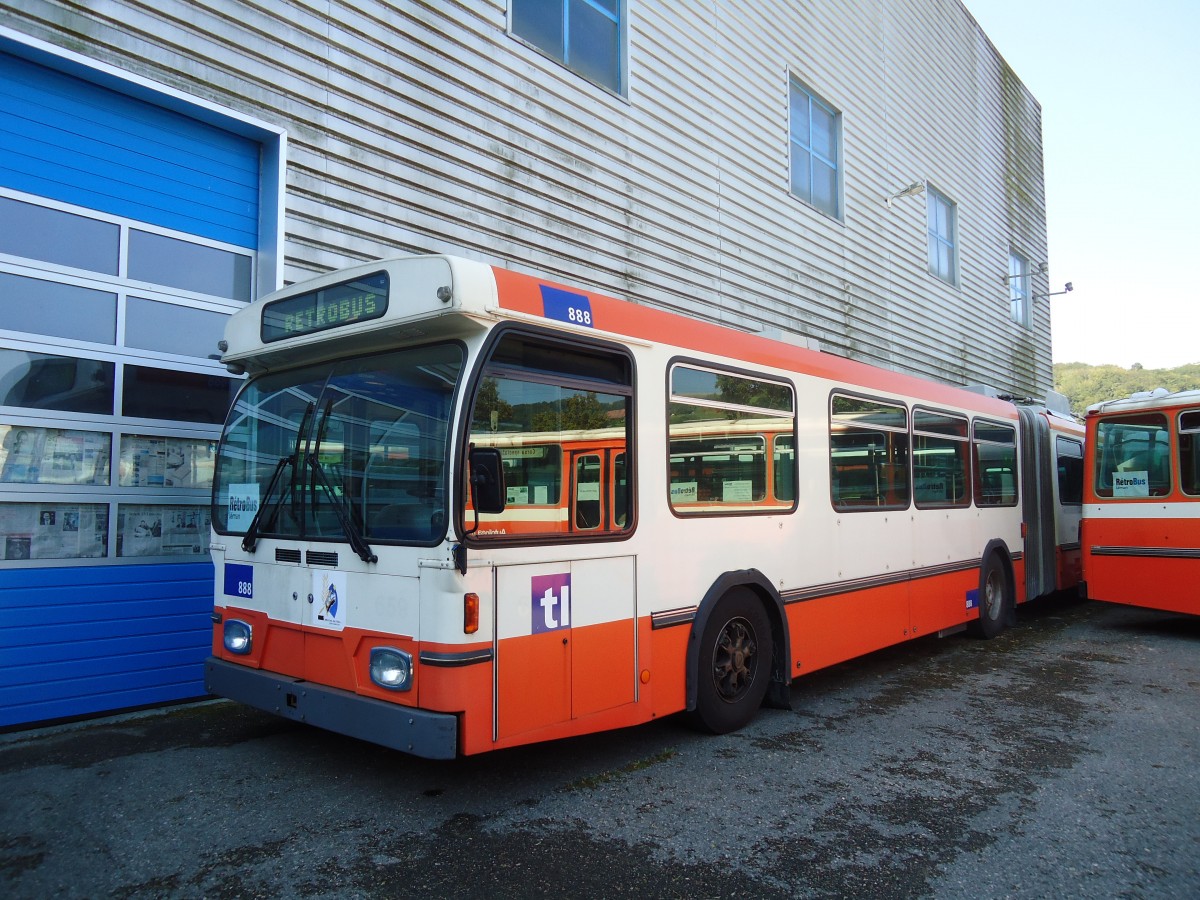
734 666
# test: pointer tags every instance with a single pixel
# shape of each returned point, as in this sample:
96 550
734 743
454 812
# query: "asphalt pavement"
1059 760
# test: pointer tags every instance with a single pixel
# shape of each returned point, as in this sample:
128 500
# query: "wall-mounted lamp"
913 189
1041 268
1067 288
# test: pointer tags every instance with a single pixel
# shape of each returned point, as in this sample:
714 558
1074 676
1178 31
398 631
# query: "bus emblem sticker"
566 306
551 602
329 600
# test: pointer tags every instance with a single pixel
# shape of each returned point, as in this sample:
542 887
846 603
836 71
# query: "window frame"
977 469
1020 297
1157 418
1187 454
619 18
937 240
906 467
1075 495
797 87
764 505
486 366
964 457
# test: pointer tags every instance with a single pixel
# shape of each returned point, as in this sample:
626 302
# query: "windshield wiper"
250 539
357 542
293 459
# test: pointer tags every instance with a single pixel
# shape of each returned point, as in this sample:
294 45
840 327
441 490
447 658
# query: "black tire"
733 669
995 599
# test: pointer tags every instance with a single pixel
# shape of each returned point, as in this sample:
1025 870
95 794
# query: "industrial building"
862 176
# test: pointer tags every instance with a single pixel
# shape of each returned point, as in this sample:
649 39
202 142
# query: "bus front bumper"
416 731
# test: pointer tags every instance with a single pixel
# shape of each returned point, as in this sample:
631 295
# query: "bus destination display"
342 304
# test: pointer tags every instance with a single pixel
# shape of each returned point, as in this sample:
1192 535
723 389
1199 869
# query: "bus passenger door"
565 642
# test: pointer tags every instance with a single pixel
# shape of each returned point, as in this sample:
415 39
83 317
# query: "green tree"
1084 385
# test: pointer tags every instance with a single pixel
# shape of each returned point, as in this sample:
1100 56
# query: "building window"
814 128
1018 288
943 237
584 35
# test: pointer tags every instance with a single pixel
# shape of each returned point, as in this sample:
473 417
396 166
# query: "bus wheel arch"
737 653
997 592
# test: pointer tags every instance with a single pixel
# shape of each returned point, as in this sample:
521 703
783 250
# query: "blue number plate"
239 581
566 306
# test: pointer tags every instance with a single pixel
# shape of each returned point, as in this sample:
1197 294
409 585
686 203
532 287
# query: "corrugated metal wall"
424 127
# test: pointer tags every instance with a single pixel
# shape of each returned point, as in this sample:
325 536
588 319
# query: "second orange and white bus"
1141 531
458 508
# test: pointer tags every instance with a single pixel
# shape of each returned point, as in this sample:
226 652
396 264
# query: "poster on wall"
53 531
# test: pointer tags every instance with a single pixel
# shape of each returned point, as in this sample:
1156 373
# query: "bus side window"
940 466
1189 452
783 465
995 451
1133 458
1070 471
868 454
722 428
554 410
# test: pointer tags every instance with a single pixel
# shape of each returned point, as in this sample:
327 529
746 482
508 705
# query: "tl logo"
551 602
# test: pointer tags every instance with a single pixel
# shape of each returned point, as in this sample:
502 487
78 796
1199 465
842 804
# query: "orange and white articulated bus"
458 508
1141 529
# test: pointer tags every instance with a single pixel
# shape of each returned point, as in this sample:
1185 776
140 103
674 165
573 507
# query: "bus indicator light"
470 613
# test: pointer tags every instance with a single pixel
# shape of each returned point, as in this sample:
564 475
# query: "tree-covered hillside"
1085 385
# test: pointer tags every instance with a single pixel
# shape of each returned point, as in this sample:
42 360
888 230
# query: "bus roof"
431 297
1160 398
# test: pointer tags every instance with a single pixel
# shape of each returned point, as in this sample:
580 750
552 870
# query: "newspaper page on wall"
145 530
53 530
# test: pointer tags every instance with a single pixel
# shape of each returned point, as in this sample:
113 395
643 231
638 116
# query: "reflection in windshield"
367 441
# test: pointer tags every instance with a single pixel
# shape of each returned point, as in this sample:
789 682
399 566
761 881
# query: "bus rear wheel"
734 666
995 598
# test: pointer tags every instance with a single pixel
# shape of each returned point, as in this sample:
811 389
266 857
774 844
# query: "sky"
1119 87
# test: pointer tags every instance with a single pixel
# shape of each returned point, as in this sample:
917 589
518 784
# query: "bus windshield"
344 450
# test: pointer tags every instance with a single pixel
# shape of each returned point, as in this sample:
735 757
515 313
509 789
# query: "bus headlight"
239 636
391 668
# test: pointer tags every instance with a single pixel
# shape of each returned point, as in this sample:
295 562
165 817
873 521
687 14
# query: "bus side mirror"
487 480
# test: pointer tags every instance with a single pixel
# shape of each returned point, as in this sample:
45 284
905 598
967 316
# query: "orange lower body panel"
1153 563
